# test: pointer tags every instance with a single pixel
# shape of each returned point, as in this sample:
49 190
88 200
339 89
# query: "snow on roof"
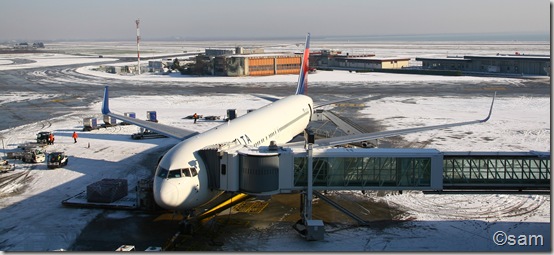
267 55
537 57
470 57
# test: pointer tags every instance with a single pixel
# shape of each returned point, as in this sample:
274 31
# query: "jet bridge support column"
313 229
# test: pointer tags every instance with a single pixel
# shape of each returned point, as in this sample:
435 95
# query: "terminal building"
329 59
257 64
365 63
247 62
501 64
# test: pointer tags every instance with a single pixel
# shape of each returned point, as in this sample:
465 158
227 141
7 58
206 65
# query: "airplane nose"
166 194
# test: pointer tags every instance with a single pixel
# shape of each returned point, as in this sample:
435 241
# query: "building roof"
512 57
494 57
265 55
372 59
447 59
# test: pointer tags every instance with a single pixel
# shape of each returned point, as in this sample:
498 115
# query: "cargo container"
90 124
151 116
107 190
130 115
109 120
231 114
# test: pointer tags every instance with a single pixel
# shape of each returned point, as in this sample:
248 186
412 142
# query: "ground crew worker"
195 117
75 136
51 138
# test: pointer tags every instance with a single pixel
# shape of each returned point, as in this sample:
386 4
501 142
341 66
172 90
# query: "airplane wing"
175 132
268 98
317 105
376 135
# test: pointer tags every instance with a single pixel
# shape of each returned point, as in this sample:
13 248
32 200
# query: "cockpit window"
175 174
186 171
162 172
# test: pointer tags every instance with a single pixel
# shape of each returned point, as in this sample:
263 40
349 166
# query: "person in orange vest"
195 117
51 138
75 135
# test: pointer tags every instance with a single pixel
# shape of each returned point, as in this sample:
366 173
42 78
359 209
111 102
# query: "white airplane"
181 178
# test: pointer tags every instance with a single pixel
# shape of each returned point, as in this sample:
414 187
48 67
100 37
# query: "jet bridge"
284 170
270 170
496 170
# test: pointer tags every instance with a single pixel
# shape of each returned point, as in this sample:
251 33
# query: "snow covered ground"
32 218
45 60
517 124
459 223
319 77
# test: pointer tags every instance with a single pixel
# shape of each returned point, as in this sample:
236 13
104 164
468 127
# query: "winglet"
302 85
105 102
490 111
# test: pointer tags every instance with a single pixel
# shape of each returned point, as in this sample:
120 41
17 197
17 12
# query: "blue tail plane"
106 102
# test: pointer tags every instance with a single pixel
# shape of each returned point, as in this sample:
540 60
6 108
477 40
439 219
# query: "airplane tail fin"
105 102
302 86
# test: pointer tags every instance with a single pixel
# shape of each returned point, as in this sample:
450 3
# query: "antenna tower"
138 45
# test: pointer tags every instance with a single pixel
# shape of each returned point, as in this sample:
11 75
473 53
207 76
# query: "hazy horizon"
516 37
102 20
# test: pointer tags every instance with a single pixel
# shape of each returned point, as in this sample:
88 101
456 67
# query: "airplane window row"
177 173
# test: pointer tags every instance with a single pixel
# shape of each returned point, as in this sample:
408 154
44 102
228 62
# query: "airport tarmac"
263 216
153 229
80 90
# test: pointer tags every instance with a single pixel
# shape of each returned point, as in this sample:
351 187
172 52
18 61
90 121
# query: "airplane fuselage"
180 182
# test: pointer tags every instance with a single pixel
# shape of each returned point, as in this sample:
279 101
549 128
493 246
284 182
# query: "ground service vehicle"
56 159
34 156
42 137
30 155
147 134
5 166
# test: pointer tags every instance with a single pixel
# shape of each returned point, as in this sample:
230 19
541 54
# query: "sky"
189 19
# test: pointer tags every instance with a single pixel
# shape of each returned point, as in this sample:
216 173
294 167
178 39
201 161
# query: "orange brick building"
257 65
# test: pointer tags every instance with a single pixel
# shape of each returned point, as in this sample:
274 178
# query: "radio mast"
138 43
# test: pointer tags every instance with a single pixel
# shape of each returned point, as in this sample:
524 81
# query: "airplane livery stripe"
303 77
